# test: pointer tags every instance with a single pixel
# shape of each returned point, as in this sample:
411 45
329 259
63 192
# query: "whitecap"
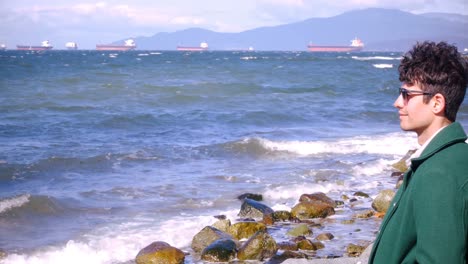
14 202
383 66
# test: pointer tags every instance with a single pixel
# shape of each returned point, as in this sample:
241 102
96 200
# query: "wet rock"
383 200
252 196
268 219
306 244
399 182
318 245
222 225
254 209
325 236
300 230
259 247
339 203
354 250
220 217
361 194
347 221
3 254
401 164
287 245
221 250
160 253
207 236
243 230
365 214
288 255
396 174
312 209
281 216
318 196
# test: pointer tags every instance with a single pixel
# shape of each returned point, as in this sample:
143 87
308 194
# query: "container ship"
45 45
128 45
356 45
71 45
203 46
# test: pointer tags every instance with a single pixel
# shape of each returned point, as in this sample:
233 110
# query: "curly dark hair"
437 68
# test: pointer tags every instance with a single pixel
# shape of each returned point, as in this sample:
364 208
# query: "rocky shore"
311 232
263 235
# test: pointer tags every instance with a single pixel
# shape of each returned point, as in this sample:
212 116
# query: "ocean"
102 153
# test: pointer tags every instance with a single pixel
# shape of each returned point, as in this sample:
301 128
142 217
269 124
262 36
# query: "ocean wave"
26 205
389 144
375 58
17 201
119 243
383 66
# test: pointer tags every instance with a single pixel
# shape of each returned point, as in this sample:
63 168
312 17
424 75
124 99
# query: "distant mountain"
380 30
447 16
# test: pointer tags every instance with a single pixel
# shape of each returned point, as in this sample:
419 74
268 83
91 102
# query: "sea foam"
9 203
119 243
383 66
391 144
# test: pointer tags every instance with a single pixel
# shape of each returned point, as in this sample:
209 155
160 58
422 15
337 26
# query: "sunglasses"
406 93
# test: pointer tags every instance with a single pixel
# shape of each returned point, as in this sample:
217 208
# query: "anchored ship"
71 45
45 45
203 46
128 45
356 45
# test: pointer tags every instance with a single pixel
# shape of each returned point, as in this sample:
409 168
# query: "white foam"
393 144
375 58
372 168
292 192
383 66
10 203
248 58
120 243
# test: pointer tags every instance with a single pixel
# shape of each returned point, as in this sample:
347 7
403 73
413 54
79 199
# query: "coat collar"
451 134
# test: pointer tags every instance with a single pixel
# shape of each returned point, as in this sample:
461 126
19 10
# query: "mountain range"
380 30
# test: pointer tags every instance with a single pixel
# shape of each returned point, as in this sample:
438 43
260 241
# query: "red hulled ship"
203 46
356 45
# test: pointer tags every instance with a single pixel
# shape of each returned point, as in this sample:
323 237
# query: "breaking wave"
389 144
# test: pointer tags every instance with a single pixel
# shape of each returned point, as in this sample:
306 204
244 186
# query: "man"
427 221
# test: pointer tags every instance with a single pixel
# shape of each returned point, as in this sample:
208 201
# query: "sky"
88 23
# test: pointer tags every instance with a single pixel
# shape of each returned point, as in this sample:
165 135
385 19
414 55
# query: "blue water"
102 153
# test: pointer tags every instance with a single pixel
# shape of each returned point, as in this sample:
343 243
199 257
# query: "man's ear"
438 104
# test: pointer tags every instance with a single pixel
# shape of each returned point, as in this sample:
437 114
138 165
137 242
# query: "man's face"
414 114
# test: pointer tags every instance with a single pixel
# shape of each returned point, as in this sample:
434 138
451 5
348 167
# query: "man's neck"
429 132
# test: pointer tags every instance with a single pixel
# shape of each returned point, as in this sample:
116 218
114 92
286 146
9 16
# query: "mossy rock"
243 230
300 230
312 209
222 250
259 247
160 253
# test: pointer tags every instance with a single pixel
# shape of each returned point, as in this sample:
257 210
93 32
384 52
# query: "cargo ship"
45 45
128 45
71 45
203 46
356 45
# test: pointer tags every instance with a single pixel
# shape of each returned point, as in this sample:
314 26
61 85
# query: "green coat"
427 221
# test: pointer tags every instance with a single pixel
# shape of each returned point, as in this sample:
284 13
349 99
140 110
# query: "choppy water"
103 153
